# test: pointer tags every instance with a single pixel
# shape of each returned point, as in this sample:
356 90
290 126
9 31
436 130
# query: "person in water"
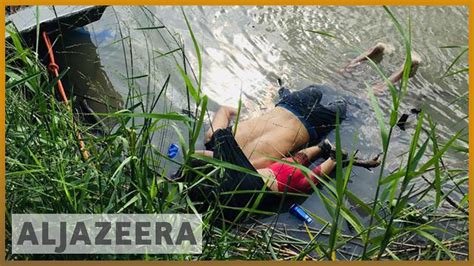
298 119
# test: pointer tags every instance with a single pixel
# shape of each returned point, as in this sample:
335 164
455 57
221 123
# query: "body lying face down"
269 151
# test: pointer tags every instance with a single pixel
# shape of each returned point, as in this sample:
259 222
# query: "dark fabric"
226 149
319 119
212 142
210 145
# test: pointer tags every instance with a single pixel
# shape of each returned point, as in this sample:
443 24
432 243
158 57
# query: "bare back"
274 134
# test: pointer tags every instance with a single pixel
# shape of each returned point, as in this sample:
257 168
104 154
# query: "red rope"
54 68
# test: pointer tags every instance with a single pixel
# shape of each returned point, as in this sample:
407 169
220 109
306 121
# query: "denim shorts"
319 119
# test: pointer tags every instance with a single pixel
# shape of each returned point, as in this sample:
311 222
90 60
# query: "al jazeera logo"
106 234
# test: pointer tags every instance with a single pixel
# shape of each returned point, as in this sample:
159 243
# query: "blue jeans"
317 118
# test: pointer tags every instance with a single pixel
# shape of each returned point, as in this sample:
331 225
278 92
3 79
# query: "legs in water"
325 149
372 53
281 176
378 50
397 75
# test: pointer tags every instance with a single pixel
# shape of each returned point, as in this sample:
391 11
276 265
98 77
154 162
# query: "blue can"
173 150
297 211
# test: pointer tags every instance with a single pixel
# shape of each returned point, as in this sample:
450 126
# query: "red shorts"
292 177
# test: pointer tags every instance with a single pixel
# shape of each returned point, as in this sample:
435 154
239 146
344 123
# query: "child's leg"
305 156
322 149
325 168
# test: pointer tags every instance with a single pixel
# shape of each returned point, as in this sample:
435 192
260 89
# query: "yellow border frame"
231 2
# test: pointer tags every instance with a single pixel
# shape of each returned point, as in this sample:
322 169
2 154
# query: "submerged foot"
398 75
333 152
328 150
415 63
372 53
377 50
326 146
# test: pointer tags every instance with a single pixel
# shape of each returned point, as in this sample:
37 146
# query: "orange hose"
54 68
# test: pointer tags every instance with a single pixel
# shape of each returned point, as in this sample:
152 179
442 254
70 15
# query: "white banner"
106 234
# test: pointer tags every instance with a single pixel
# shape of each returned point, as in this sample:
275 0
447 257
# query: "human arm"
221 120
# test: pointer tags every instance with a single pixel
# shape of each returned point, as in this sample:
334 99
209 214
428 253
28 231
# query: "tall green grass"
126 172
